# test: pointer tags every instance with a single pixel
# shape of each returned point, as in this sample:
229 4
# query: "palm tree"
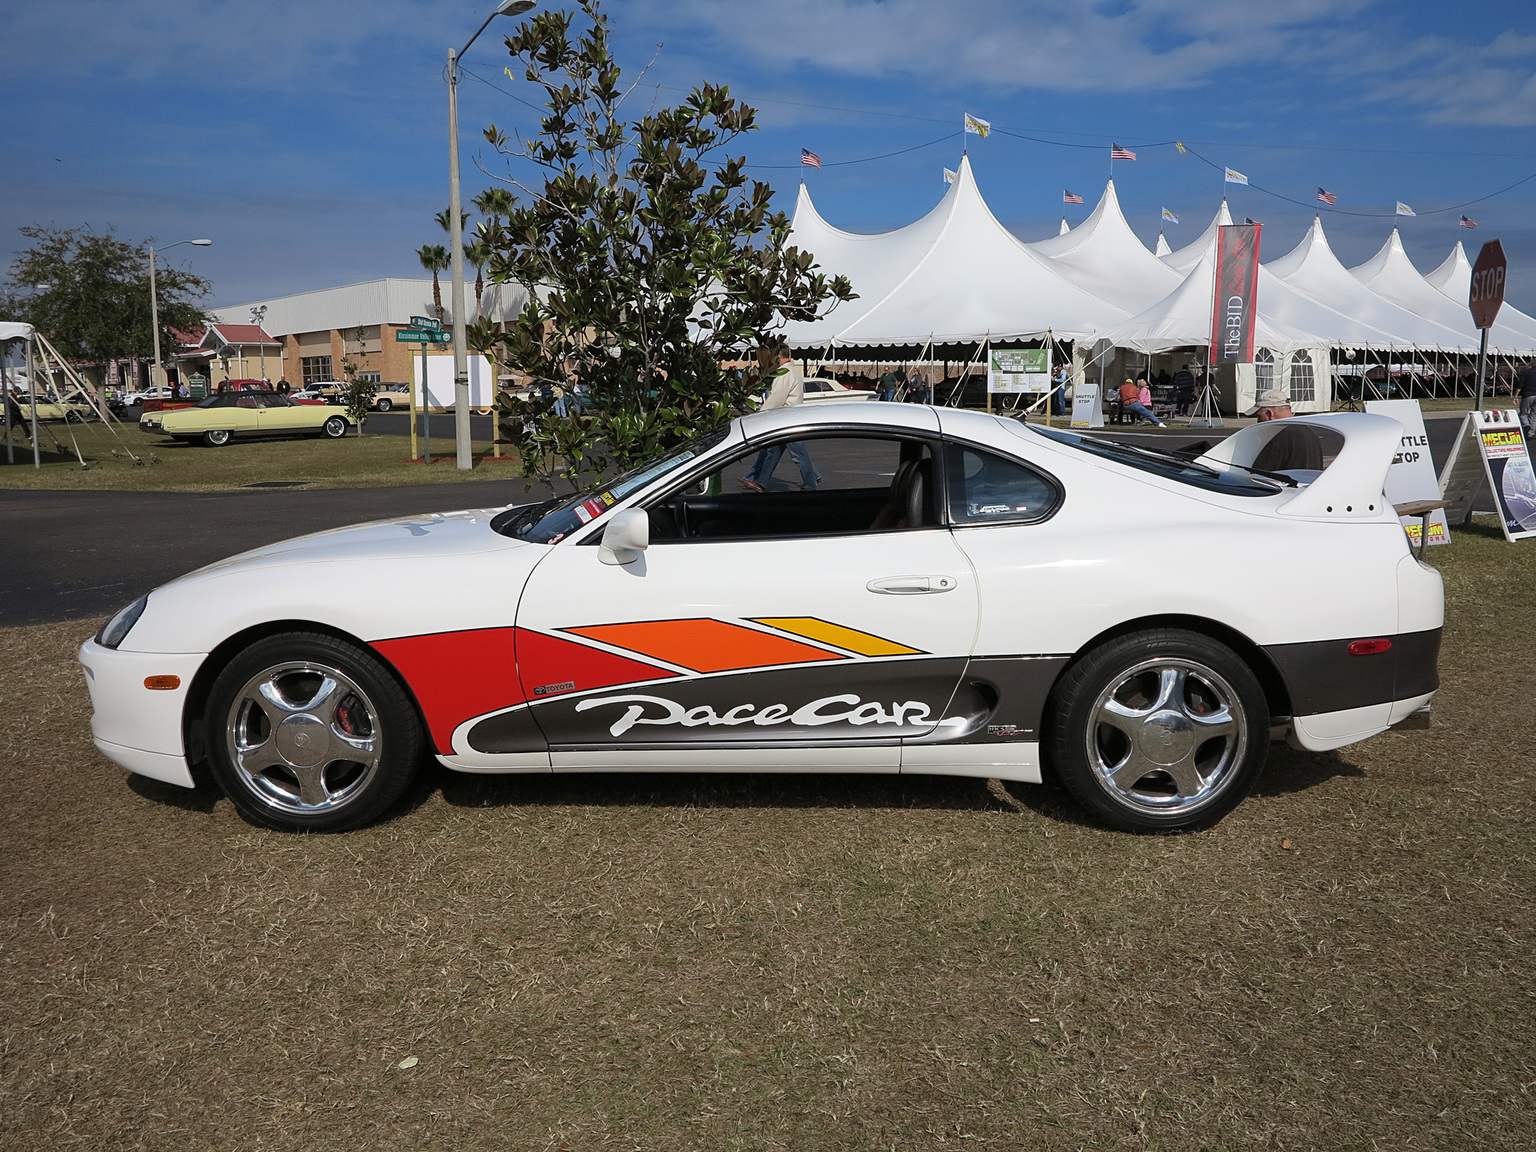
434 258
443 218
478 253
494 203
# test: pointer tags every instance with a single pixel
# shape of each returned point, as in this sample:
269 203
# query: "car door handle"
912 585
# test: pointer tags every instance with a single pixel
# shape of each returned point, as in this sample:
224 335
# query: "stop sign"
1487 284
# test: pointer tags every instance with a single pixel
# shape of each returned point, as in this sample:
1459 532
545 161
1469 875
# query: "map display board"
1019 370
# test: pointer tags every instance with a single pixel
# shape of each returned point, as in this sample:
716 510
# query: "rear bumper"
1324 731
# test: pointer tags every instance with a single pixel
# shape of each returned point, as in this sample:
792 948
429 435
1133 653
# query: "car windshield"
553 520
1164 464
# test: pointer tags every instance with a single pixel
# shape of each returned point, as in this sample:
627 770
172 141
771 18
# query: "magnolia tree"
648 259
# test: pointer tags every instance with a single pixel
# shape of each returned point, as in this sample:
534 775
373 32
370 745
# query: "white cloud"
1453 83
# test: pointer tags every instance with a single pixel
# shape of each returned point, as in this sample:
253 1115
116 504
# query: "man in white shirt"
788 390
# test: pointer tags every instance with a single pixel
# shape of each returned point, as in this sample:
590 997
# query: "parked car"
214 421
387 396
960 594
72 405
821 389
160 392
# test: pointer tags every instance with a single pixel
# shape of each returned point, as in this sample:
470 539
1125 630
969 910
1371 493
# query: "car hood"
435 535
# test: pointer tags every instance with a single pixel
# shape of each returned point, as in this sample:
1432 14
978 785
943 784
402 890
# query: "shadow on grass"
1290 770
204 798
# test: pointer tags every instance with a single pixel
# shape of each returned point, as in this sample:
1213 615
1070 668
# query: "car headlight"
116 630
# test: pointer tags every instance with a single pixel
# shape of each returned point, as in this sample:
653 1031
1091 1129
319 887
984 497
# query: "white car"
821 389
960 594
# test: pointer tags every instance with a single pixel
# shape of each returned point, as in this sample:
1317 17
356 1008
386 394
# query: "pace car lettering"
812 715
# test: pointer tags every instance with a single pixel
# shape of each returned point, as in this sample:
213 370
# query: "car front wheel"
334 428
308 732
385 405
1159 731
216 438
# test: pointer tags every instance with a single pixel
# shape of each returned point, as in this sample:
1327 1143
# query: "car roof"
876 413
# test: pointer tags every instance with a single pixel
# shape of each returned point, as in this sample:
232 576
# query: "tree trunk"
437 297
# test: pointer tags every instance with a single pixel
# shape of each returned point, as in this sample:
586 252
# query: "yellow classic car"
73 405
218 418
387 396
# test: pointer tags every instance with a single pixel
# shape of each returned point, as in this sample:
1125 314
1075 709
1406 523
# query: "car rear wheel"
385 404
1159 731
308 732
334 428
216 438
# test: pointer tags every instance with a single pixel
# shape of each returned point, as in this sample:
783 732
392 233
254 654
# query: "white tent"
1392 275
955 276
1453 278
10 330
1104 257
1162 248
1312 268
1185 258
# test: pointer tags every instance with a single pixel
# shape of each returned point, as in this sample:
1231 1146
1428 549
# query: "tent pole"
5 401
37 460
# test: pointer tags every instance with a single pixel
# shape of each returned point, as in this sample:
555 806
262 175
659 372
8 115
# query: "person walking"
1059 391
788 390
1183 390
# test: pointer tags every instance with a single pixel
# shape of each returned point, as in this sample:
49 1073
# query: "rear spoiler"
1352 487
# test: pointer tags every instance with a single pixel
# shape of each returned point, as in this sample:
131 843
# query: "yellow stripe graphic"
848 639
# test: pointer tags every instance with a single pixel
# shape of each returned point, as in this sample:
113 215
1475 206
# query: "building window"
1302 386
315 369
369 377
1263 371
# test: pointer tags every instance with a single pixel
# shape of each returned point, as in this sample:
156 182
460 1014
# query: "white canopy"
1183 318
1185 258
12 330
1453 278
955 276
1312 268
1392 275
1104 257
1162 248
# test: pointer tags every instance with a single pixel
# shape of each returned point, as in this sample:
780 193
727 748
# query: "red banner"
1237 294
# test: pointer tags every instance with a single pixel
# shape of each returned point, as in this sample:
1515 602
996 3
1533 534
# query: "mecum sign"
1235 305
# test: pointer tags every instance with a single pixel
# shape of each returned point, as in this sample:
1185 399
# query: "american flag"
809 158
1070 197
1327 197
1118 153
1468 222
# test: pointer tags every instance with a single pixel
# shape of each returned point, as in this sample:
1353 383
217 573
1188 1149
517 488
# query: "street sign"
425 322
1487 284
417 336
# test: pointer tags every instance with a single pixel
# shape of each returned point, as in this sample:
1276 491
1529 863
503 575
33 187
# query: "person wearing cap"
1130 401
1295 448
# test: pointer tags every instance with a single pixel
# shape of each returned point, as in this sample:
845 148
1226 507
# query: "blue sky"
307 137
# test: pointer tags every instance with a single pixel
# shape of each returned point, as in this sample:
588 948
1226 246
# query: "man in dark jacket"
1525 380
1183 390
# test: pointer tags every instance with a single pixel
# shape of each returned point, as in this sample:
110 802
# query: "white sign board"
1412 474
440 392
1019 370
1087 412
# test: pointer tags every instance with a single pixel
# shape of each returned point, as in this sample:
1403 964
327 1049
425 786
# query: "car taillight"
1369 647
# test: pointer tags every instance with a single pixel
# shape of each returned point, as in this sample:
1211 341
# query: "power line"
863 159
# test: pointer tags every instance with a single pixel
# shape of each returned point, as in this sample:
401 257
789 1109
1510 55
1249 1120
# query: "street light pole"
461 413
154 306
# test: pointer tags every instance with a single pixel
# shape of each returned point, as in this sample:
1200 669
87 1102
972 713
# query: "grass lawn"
352 462
760 962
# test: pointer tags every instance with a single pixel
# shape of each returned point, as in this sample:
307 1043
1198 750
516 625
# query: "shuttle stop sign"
1487 284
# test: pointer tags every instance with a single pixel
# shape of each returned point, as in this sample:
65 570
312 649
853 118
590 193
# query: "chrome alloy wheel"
1166 736
303 738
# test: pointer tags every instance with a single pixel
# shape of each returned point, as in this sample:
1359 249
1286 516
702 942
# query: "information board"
1019 370
1412 474
1495 440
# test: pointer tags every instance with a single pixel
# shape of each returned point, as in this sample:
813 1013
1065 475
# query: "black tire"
216 438
1158 731
384 404
345 743
334 428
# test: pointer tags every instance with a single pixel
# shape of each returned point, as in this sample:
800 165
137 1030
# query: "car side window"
817 486
986 488
248 402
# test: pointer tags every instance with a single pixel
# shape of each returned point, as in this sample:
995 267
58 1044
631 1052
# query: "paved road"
77 554
69 555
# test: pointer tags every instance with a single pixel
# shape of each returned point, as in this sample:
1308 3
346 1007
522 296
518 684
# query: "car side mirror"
628 534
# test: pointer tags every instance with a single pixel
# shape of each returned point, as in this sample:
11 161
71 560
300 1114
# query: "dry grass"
368 461
784 963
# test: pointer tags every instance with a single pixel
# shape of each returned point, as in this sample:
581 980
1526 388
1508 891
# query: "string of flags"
976 126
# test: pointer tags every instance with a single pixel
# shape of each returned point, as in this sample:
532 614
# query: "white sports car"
959 594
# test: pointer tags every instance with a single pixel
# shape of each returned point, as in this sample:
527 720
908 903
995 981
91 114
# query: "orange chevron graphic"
838 636
706 645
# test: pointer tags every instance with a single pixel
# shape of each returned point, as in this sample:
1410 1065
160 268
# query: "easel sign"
1412 474
1014 370
1500 466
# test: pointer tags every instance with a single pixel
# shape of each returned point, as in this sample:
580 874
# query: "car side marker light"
1369 647
166 683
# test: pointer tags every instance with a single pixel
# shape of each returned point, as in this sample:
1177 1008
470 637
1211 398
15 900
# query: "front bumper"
136 727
